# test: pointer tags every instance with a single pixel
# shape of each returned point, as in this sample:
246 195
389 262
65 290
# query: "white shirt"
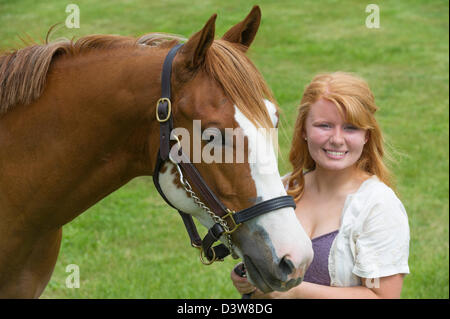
373 237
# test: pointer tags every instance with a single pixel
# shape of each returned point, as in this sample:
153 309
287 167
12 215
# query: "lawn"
132 245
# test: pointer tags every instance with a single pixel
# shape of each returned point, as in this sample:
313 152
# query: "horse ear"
194 50
244 32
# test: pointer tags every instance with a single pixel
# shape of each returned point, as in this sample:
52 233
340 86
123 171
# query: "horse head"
222 103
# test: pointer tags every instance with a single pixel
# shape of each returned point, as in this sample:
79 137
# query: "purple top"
317 272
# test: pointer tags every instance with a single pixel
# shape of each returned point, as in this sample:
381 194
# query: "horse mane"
23 72
240 80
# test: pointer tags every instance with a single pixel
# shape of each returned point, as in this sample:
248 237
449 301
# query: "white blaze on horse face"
287 236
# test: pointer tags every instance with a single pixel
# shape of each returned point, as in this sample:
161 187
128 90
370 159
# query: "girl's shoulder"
376 198
374 190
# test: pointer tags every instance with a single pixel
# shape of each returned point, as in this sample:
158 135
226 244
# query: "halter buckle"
231 215
169 109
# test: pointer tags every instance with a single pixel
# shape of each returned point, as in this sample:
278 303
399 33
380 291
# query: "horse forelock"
23 72
241 81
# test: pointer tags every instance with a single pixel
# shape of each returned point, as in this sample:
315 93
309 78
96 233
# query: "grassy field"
132 245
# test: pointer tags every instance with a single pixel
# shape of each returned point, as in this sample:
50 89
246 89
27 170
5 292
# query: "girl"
343 191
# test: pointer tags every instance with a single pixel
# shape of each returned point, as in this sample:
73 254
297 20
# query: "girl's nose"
337 137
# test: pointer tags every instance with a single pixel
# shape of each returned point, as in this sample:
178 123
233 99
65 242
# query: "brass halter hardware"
231 216
205 261
169 109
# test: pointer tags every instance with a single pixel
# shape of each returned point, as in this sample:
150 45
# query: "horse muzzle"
283 276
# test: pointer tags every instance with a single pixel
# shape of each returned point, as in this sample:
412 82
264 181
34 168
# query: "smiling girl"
345 201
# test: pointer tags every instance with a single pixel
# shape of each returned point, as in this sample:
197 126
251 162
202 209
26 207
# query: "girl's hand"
242 285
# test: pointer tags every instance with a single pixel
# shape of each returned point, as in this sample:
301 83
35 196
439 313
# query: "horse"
77 122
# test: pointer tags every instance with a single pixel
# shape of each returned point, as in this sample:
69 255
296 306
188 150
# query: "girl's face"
333 143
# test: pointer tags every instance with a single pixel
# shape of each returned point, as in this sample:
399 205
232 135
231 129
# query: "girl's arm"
386 287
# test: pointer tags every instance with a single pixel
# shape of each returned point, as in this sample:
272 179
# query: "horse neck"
88 134
117 98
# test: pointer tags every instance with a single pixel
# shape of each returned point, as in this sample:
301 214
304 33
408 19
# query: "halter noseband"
225 220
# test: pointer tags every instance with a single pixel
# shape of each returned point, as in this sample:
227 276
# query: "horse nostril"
286 265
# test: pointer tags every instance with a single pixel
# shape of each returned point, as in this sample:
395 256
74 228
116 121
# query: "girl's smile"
337 155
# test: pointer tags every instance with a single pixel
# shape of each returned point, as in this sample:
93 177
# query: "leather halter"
226 220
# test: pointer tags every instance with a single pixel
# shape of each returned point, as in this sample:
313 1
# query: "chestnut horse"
78 121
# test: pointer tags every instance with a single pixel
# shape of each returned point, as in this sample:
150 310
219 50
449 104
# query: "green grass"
132 245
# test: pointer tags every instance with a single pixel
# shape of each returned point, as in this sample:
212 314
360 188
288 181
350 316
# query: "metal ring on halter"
202 257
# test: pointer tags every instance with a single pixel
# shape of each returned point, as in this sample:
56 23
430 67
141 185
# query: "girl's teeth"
336 153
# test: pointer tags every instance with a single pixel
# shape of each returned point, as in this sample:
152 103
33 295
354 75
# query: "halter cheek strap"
164 105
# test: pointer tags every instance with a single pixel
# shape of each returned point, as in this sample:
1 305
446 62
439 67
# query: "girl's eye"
350 128
323 125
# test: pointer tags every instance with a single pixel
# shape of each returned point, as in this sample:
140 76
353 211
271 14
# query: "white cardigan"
373 237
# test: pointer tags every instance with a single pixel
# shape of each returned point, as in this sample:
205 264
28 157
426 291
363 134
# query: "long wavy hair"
356 103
